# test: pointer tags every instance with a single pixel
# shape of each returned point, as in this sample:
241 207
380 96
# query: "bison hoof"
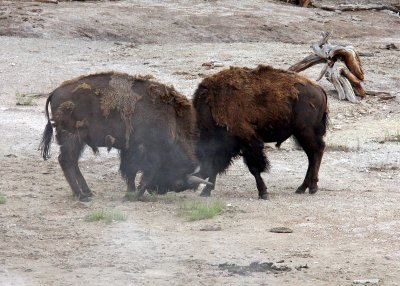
313 190
300 190
84 198
205 194
264 197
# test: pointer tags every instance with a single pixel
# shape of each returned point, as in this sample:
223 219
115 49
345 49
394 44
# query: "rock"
11 156
213 64
391 46
298 268
281 230
357 19
211 228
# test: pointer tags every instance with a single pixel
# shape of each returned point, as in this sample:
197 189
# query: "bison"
151 124
238 109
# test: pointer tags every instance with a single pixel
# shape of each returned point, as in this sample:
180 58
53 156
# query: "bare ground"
349 230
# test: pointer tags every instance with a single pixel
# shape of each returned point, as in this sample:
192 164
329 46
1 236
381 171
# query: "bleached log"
350 7
323 71
334 74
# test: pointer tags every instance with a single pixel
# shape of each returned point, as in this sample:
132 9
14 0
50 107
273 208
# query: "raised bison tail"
47 136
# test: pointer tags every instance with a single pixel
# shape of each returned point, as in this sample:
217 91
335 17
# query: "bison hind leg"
257 162
215 156
70 150
313 145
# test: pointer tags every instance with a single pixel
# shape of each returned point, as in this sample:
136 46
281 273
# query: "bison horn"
197 170
196 180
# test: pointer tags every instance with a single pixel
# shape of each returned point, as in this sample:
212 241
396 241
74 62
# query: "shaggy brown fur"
151 123
239 109
242 98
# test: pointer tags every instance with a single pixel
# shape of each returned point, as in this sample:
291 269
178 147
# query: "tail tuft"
47 137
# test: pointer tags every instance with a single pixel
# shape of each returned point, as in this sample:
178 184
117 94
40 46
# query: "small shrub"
200 210
383 167
131 197
169 198
26 99
392 138
107 216
2 199
337 147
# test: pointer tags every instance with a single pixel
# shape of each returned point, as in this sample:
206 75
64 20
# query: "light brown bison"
151 124
239 109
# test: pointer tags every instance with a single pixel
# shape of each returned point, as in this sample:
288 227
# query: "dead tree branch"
342 67
349 7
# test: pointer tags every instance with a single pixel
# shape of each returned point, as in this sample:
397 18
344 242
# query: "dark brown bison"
151 125
239 109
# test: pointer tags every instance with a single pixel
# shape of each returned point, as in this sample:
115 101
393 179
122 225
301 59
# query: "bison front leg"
206 192
138 158
149 173
254 157
129 168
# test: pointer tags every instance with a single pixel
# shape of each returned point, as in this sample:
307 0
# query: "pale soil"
349 230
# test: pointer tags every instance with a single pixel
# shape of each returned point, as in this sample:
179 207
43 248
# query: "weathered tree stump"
342 67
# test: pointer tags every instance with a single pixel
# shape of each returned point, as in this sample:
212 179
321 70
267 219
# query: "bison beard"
151 124
239 109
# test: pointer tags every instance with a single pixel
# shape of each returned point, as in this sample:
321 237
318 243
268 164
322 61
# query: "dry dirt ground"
349 230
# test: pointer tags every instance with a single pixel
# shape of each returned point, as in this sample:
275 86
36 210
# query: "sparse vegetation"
2 199
391 138
133 197
153 197
383 167
107 216
170 198
26 99
200 210
337 147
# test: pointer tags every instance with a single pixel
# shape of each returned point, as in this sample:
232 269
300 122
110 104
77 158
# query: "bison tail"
325 116
325 121
47 136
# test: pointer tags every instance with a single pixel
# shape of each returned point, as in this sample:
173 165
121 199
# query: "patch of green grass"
26 98
170 198
3 199
107 216
200 210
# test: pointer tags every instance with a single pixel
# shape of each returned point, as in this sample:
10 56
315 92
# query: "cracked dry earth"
348 231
